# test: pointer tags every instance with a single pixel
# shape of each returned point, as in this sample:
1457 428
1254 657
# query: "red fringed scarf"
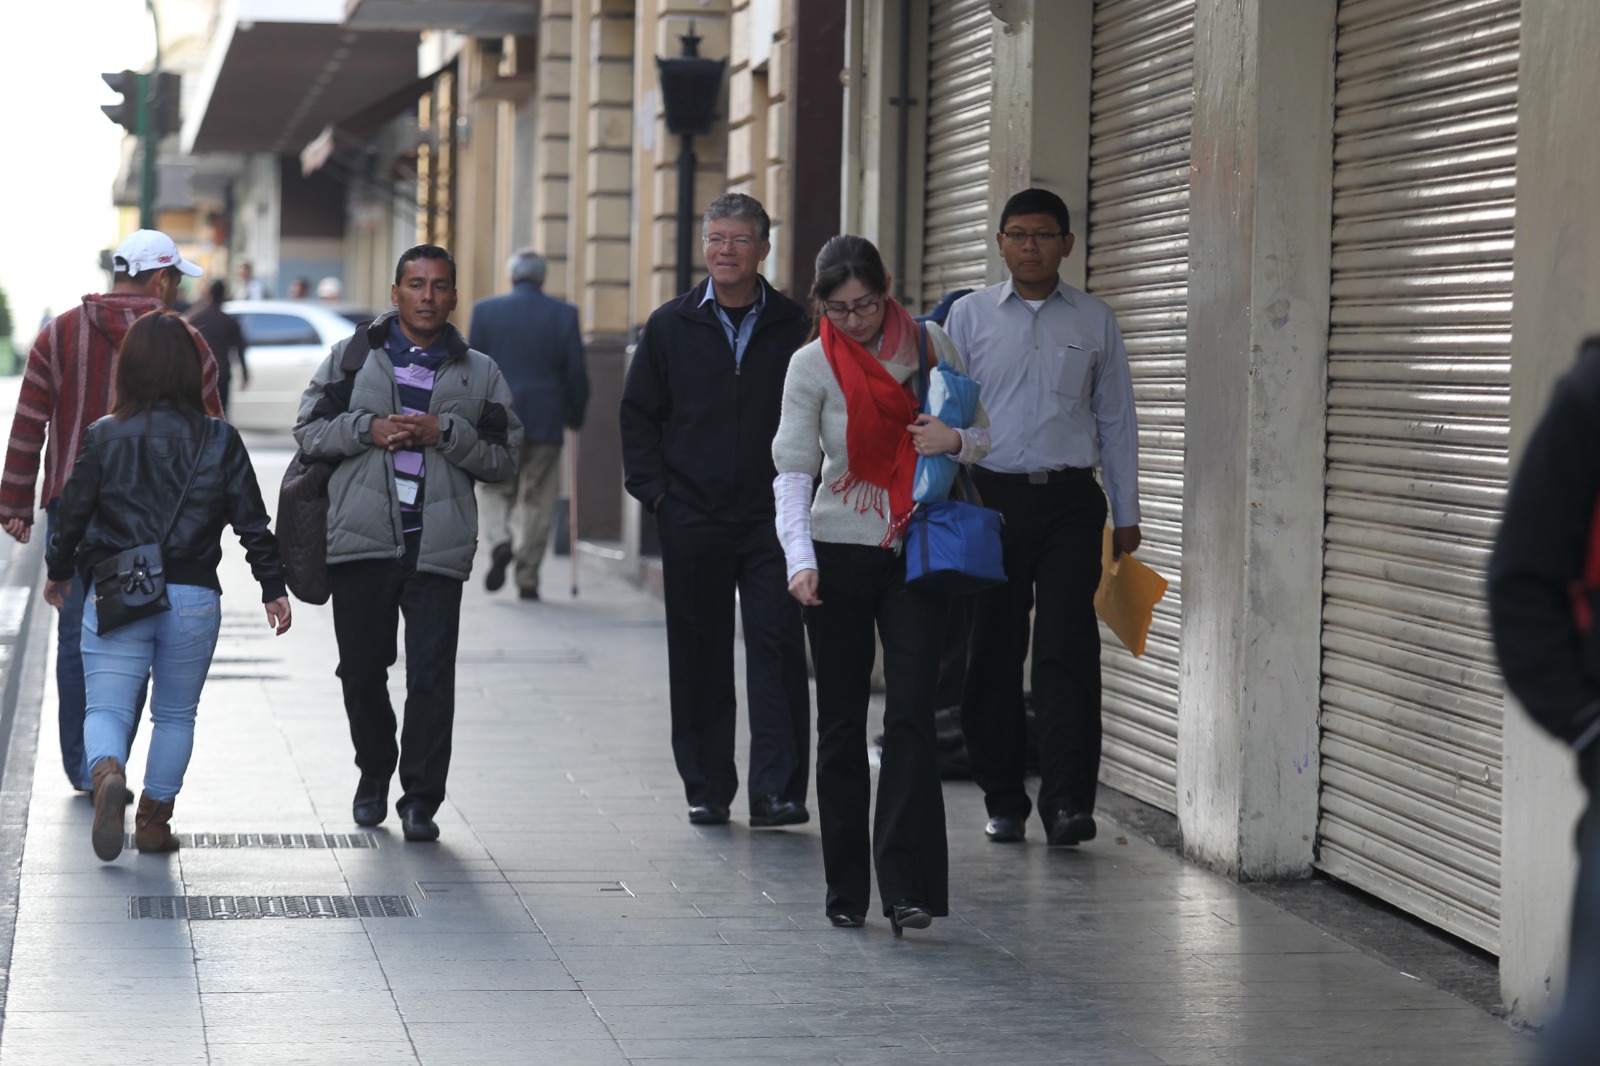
881 461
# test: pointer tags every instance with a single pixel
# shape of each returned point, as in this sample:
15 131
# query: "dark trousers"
1573 1039
861 587
369 599
703 563
1052 540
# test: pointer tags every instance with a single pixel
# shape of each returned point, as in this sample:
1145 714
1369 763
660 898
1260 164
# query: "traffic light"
164 117
131 86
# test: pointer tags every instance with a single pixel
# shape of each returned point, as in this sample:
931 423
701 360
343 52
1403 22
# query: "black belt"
1040 477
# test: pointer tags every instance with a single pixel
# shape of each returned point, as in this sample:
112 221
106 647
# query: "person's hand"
803 587
929 436
423 429
20 529
56 592
1125 540
277 614
389 434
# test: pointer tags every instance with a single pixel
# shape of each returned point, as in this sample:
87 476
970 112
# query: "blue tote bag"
951 546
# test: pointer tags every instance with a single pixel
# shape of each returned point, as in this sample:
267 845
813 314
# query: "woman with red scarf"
850 416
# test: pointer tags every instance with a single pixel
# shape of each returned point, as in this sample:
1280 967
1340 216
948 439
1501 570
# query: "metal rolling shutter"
1418 418
1138 262
955 225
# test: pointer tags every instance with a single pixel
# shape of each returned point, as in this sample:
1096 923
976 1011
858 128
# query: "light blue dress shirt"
1056 385
738 338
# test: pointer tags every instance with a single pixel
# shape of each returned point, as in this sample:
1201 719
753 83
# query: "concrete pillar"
1039 126
553 160
1260 204
1555 303
479 212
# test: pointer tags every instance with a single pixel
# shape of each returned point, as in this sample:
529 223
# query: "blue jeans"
173 649
70 699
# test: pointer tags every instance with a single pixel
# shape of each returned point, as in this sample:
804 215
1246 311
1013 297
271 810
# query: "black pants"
1052 540
861 587
703 563
369 598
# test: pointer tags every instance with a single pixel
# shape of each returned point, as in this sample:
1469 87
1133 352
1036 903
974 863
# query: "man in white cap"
66 386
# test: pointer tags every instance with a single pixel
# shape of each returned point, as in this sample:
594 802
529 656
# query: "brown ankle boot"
109 785
150 829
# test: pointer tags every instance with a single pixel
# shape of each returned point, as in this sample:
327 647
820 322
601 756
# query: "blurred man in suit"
535 340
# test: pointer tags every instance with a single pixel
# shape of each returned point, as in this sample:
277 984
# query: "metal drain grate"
226 908
314 841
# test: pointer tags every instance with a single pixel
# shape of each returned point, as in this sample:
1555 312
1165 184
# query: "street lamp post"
690 87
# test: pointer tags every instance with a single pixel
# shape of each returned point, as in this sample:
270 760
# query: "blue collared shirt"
738 337
1056 386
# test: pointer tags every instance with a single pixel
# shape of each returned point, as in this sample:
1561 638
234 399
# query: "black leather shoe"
774 810
908 915
1071 827
706 814
499 559
418 825
1004 829
527 594
846 920
371 804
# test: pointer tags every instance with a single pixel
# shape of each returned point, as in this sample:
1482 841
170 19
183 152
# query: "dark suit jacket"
536 342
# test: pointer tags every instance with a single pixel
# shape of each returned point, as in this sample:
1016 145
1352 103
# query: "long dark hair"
159 362
842 258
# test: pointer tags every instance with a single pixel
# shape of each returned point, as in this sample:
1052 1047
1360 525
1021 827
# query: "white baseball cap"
150 249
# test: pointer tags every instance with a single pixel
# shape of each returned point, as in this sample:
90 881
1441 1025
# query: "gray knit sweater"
811 437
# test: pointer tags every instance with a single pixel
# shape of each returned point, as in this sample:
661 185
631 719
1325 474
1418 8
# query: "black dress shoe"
1004 829
846 919
527 594
707 814
774 810
1071 827
499 559
908 915
418 825
371 803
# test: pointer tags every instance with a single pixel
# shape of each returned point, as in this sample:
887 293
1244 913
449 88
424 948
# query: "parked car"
285 342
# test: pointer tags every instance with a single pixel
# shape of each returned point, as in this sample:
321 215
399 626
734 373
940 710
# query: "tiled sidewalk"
570 915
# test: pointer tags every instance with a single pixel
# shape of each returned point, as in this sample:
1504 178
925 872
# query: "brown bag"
303 527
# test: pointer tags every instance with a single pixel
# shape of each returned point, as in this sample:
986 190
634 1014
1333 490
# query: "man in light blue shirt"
1060 401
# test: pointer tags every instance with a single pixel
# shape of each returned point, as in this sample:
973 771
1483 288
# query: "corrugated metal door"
1142 105
956 241
1418 415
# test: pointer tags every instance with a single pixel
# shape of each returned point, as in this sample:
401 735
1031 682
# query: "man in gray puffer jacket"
414 418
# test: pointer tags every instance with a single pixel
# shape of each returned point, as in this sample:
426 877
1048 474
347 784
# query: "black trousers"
703 563
1052 540
861 587
369 599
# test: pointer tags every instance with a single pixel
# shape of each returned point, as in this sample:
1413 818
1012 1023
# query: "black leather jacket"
127 480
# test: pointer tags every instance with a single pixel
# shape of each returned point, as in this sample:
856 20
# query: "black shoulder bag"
133 584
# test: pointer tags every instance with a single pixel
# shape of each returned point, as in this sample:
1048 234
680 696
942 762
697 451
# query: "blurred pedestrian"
1544 598
250 286
224 338
536 342
699 410
850 415
155 471
1056 382
330 290
402 522
299 288
66 386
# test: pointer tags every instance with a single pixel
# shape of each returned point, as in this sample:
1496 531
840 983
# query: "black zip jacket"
1550 663
126 482
697 426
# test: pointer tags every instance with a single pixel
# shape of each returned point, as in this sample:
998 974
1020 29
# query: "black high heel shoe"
846 920
908 915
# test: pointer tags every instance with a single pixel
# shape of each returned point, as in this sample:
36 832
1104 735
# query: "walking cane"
572 506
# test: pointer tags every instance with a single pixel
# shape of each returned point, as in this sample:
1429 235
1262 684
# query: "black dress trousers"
703 562
1052 539
861 588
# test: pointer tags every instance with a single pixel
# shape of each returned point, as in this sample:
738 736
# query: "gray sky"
61 150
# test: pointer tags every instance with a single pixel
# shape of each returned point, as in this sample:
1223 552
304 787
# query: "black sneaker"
499 559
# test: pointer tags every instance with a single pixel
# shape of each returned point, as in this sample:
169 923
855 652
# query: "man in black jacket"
1544 592
699 411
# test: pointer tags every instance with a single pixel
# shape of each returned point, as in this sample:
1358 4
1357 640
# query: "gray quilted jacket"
480 438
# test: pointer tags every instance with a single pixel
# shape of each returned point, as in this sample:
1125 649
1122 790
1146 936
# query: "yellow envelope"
1127 596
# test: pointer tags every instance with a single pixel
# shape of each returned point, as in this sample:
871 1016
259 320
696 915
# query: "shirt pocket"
1073 375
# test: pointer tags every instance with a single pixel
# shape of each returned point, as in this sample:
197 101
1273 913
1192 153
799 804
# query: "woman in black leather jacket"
125 491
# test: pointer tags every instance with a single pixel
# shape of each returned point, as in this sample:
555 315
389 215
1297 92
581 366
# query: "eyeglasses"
716 242
862 308
1024 238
